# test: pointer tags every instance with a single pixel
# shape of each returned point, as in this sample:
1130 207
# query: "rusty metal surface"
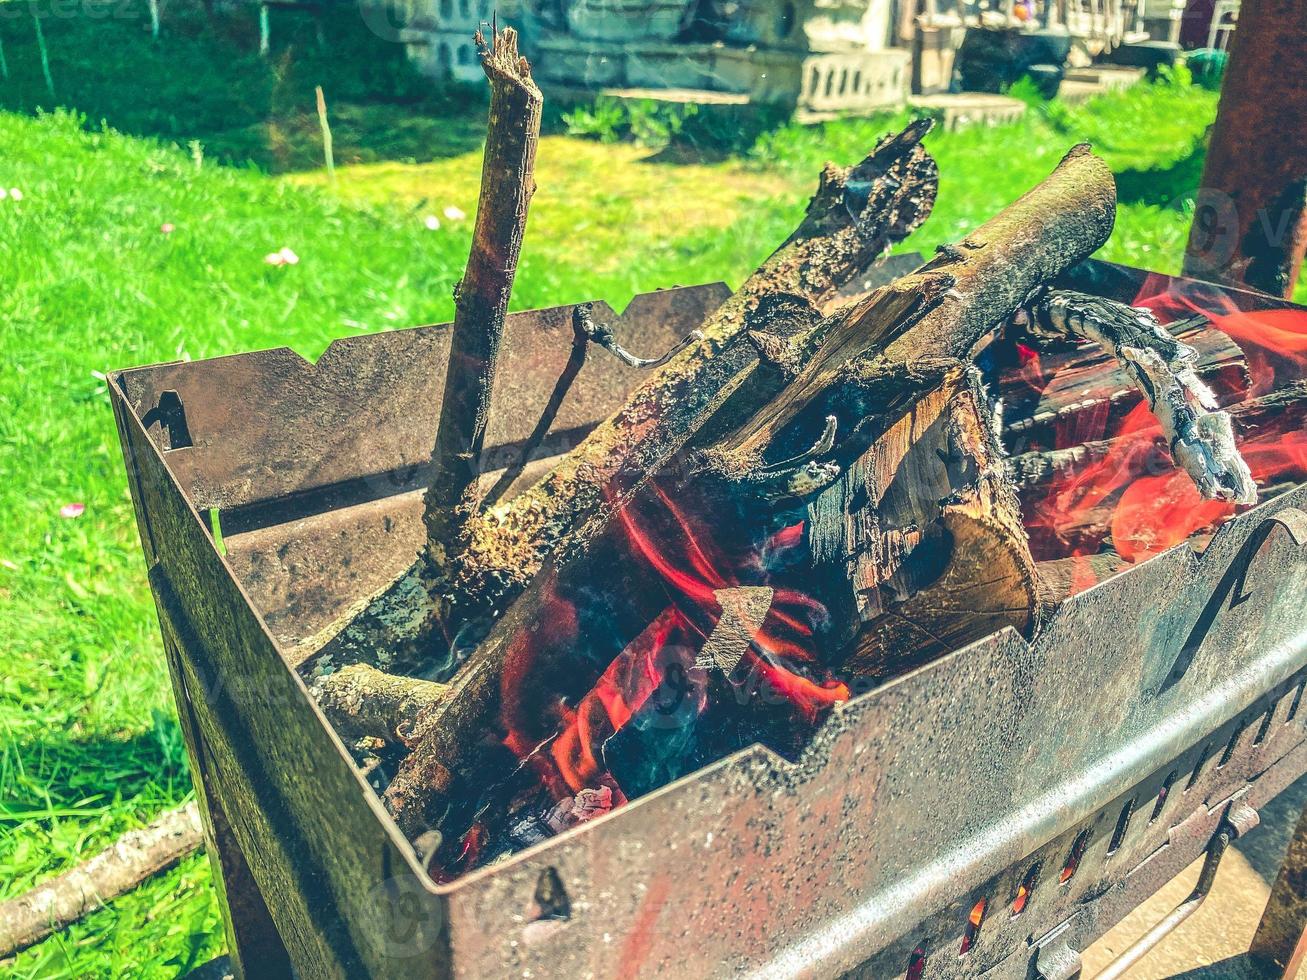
942 788
916 800
268 426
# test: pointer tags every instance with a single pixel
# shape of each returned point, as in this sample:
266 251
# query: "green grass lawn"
89 746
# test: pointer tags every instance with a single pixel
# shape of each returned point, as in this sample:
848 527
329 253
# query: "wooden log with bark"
362 702
432 613
868 366
481 297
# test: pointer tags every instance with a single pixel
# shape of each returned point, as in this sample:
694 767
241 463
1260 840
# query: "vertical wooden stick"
40 46
327 152
481 298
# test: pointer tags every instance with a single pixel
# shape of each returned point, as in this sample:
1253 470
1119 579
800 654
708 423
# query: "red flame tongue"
662 674
1274 341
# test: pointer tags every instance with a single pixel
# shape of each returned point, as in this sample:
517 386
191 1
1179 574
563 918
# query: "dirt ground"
1208 944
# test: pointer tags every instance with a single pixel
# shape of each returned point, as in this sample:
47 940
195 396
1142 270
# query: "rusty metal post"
1281 939
1250 224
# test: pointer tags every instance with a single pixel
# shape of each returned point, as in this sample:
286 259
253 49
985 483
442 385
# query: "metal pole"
40 46
1250 225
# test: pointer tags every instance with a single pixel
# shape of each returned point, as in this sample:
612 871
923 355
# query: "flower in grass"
15 194
432 222
454 213
69 511
167 228
285 256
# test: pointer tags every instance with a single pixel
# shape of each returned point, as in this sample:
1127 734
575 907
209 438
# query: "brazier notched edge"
185 563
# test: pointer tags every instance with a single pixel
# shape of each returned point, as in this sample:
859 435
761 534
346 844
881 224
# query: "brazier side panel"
919 793
260 427
339 887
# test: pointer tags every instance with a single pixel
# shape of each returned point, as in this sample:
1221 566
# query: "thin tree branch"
68 897
481 298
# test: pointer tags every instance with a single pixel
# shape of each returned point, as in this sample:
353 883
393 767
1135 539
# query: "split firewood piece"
938 556
875 362
362 702
432 614
1200 436
136 856
743 611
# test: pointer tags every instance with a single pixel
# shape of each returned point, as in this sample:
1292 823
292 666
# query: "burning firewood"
1200 437
1067 393
872 365
440 604
1285 408
1084 523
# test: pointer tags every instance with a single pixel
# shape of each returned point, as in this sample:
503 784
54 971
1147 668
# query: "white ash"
1201 436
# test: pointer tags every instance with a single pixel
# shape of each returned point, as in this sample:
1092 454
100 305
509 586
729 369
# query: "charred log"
856 214
1279 411
1068 394
874 364
1200 437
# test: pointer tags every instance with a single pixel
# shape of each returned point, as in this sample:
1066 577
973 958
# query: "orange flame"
1134 493
660 661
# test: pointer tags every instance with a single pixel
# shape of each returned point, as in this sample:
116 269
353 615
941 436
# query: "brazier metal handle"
1237 822
1232 592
